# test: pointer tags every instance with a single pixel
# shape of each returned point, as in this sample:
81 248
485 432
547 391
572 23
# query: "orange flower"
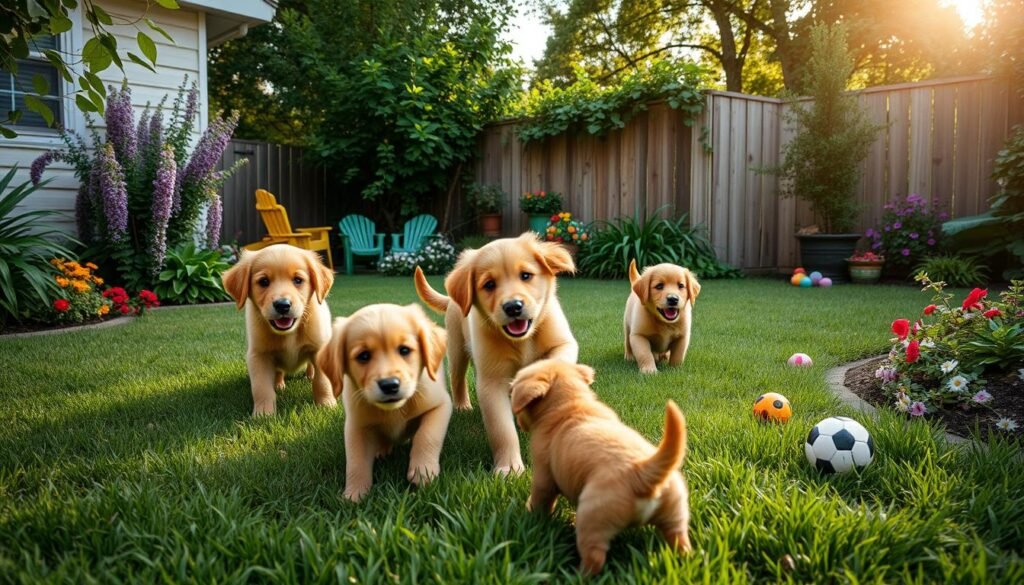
91 266
572 229
63 282
97 281
103 310
80 286
56 262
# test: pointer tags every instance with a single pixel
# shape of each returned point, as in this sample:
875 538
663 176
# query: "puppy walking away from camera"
659 313
386 362
283 290
503 312
613 476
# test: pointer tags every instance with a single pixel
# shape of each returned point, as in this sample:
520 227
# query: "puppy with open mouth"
659 312
283 290
503 311
386 363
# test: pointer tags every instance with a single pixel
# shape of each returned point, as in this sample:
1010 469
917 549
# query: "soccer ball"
838 444
772 407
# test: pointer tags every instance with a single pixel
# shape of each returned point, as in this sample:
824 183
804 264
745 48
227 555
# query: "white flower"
969 315
981 397
928 343
949 366
958 383
1006 424
906 342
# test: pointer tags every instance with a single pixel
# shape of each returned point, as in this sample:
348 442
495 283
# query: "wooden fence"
298 185
940 140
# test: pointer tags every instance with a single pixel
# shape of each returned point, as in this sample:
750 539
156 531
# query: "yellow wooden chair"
279 229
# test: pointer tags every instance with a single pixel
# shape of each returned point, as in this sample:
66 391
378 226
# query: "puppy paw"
465 406
509 469
310 372
651 369
279 382
264 408
421 474
356 493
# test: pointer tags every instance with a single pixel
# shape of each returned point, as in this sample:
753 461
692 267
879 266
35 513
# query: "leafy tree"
21 20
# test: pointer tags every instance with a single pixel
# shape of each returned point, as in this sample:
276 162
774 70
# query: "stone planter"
539 223
827 253
865 272
490 224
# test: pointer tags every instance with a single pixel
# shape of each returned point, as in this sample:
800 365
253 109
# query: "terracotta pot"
490 224
865 272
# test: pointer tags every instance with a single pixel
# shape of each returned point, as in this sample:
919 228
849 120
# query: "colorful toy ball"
800 360
799 270
773 407
795 280
815 277
825 282
805 282
839 444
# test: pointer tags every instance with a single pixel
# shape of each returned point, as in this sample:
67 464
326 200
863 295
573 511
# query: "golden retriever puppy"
503 312
283 290
613 476
386 362
658 316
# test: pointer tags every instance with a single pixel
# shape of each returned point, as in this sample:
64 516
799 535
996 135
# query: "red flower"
913 351
929 309
125 309
555 217
901 327
991 313
61 305
973 300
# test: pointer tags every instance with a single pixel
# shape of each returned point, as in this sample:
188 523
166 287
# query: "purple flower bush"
143 190
911 230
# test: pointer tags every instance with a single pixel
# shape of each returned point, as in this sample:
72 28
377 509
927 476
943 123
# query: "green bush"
192 276
27 244
612 245
485 198
473 242
959 271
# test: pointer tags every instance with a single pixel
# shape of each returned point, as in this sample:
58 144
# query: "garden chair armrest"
396 240
314 230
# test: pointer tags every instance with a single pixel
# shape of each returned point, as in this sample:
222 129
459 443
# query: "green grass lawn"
128 453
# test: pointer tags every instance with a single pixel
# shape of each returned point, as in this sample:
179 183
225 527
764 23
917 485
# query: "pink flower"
981 397
918 409
905 251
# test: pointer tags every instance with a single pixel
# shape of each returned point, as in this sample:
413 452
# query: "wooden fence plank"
944 134
968 155
899 148
920 165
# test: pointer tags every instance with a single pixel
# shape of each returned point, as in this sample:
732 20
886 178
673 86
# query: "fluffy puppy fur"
659 312
287 321
503 312
386 362
613 476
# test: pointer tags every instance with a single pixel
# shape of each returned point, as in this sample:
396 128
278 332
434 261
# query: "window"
14 87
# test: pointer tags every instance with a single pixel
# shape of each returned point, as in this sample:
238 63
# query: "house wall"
187 55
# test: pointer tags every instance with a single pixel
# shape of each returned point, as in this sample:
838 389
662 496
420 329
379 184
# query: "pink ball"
825 281
800 360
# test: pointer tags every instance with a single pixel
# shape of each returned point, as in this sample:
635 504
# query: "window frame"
57 92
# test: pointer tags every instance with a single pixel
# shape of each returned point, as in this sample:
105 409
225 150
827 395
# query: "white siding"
185 56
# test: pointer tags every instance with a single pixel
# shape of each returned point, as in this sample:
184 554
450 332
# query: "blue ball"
805 282
815 277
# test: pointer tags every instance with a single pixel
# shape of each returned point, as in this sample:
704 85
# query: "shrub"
563 228
959 271
940 359
540 202
437 256
192 276
910 230
473 242
612 245
27 244
141 192
79 298
485 198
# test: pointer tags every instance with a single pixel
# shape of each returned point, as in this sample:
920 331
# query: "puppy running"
609 471
658 316
502 310
386 362
283 290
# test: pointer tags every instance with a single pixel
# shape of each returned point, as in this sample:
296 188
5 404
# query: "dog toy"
839 444
800 360
773 407
825 282
806 282
796 278
815 277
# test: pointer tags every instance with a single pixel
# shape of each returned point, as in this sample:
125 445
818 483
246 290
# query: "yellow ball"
795 280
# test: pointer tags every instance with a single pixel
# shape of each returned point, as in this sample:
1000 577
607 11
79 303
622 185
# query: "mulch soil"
32 327
1006 388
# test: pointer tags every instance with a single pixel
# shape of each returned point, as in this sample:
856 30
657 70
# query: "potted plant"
562 228
539 206
820 164
486 201
865 267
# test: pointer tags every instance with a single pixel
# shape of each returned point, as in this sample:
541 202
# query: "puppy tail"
428 295
652 472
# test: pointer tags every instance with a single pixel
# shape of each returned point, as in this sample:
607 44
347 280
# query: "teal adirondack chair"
359 238
415 232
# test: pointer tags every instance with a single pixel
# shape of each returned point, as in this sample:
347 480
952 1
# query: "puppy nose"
282 306
513 308
389 386
673 300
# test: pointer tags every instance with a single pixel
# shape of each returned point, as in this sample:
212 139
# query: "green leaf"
157 28
166 275
7 132
40 84
147 46
101 15
84 104
96 56
179 285
138 60
36 105
168 4
60 24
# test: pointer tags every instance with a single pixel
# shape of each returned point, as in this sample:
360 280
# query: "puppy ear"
459 282
236 279
586 372
433 341
642 286
692 286
553 258
634 274
331 358
526 391
320 276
